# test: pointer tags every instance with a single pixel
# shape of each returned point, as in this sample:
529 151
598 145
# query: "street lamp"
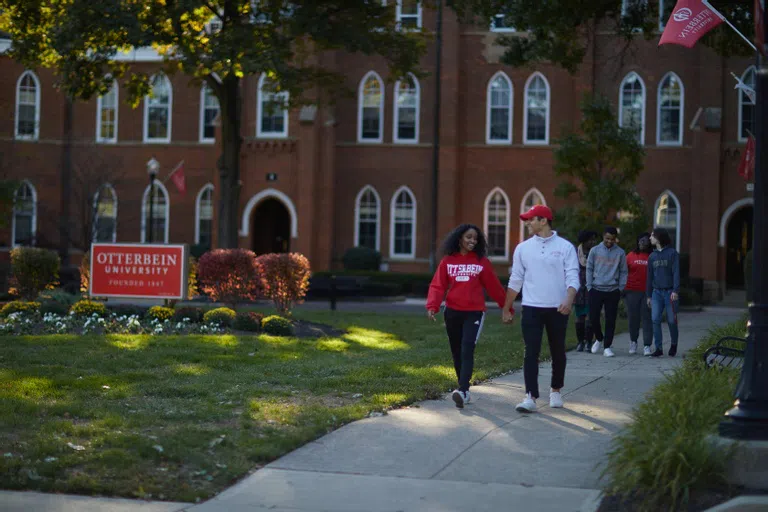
153 166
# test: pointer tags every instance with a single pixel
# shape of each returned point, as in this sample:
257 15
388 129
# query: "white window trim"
96 212
396 115
392 254
679 141
378 216
207 186
99 138
678 215
488 139
202 138
740 99
37 108
34 212
487 203
630 75
526 140
399 14
360 90
523 209
662 21
145 211
259 100
167 139
502 30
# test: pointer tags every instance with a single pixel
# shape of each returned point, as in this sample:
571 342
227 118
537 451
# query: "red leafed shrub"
229 275
285 279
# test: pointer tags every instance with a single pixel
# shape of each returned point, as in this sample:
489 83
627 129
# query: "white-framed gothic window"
204 216
27 123
632 105
368 218
498 119
536 117
24 222
496 224
746 106
370 108
158 106
530 199
105 214
106 115
209 111
406 110
666 214
402 230
408 14
671 106
272 110
160 214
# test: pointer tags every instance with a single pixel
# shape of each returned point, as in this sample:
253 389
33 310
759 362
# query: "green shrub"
128 310
19 306
33 270
248 321
56 301
194 314
54 308
88 308
223 316
160 313
361 258
277 326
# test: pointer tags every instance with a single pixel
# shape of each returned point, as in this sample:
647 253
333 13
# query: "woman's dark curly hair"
637 244
451 242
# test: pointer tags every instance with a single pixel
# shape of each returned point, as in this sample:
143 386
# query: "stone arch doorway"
270 227
738 240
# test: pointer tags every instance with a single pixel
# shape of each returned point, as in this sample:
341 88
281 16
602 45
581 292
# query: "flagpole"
709 6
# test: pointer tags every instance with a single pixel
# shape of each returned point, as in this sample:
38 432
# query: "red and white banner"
747 164
690 20
140 271
178 178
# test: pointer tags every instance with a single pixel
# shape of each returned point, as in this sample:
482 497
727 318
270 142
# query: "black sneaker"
580 347
673 351
658 353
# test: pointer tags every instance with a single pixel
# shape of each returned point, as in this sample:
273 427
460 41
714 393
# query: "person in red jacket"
634 295
464 272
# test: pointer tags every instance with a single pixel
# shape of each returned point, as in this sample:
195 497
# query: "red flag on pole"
747 164
178 178
759 23
690 20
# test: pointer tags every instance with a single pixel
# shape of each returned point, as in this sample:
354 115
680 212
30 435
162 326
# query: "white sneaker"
527 405
608 353
467 397
458 398
555 400
647 350
632 348
596 346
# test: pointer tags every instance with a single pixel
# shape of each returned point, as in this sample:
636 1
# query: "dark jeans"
610 300
535 320
638 312
464 328
662 300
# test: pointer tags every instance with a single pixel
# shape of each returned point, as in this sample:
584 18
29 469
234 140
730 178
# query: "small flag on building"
747 164
689 22
178 178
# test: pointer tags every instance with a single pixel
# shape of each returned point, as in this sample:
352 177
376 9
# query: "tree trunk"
66 183
229 163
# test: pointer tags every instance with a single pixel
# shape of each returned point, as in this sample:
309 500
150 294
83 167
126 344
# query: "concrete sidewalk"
435 457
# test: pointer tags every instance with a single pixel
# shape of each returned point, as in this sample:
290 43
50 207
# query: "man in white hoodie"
546 268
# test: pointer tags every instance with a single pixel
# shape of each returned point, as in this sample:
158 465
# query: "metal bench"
728 352
334 287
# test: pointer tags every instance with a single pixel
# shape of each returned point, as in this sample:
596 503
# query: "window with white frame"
408 13
665 11
499 110
157 110
746 106
402 233
669 119
106 115
24 226
370 115
209 110
272 109
159 221
667 215
500 23
531 199
406 106
497 224
105 215
632 105
204 217
536 120
367 216
28 106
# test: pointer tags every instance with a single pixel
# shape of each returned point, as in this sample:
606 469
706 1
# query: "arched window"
157 110
666 214
407 107
536 120
496 224
160 214
106 115
24 226
746 106
370 108
209 111
670 104
105 214
531 199
204 216
632 105
367 217
402 230
272 106
498 119
28 106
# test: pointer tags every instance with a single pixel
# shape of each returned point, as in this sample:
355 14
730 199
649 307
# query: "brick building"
320 182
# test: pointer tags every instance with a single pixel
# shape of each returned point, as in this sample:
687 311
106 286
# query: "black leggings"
464 328
610 300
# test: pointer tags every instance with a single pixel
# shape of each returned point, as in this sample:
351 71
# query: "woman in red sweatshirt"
634 295
464 272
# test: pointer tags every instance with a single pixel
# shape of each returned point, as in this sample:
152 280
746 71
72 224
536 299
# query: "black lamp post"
152 167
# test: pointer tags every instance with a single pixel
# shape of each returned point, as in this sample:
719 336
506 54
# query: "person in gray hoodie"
606 278
662 288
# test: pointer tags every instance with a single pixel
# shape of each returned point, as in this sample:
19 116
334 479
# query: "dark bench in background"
728 352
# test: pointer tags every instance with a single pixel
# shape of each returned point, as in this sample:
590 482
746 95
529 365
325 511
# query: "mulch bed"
314 330
700 500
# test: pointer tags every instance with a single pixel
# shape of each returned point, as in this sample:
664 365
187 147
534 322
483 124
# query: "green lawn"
183 417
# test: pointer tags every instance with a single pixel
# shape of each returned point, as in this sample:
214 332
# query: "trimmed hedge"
248 321
277 326
88 308
160 313
19 306
223 316
194 314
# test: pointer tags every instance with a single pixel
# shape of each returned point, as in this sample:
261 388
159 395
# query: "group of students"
555 277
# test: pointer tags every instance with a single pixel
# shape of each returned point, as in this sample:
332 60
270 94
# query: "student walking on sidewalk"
606 278
587 240
545 267
638 310
663 287
464 272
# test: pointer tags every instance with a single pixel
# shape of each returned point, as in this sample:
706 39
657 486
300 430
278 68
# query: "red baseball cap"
537 211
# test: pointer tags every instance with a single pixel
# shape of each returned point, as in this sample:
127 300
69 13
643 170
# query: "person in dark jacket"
663 288
587 240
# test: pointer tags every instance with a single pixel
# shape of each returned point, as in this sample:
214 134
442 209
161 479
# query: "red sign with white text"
142 271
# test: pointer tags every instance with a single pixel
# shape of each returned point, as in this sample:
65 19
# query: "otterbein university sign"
144 271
